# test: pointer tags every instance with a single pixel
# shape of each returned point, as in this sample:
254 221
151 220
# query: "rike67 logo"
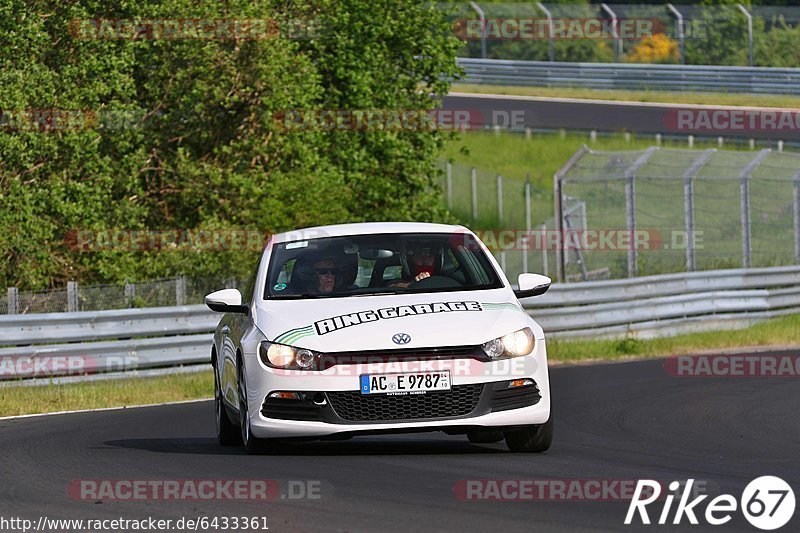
767 503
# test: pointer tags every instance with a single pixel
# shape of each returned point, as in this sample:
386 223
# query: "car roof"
366 228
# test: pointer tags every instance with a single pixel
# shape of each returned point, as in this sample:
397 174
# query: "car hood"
371 322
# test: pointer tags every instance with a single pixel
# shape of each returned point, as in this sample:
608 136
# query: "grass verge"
727 99
774 332
20 400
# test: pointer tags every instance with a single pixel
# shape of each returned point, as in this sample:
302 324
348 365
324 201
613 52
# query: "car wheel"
531 439
484 437
252 444
227 432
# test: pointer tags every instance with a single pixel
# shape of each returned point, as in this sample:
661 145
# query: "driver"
420 260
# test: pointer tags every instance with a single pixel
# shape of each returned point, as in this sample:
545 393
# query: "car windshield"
358 265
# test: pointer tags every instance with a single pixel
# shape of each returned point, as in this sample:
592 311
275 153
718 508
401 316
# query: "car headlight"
283 356
514 344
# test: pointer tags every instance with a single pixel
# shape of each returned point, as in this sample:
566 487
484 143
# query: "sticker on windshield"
298 244
279 287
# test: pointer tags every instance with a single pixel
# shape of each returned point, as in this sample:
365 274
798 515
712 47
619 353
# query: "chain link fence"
657 211
76 297
597 32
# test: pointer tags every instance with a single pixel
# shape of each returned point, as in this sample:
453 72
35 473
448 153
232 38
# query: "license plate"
405 383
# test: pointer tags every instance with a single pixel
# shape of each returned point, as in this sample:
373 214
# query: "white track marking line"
100 409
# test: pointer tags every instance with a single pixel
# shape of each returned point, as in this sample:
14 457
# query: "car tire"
253 445
484 437
228 433
531 439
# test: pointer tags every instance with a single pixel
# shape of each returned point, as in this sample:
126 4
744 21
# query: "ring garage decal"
335 323
328 325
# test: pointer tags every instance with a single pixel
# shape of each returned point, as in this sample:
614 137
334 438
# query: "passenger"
420 260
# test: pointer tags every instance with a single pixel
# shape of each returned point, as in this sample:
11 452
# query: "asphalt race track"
616 421
602 115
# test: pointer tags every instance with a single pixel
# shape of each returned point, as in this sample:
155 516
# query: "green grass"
22 400
774 332
789 102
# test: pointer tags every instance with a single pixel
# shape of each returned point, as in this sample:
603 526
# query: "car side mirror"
532 285
226 301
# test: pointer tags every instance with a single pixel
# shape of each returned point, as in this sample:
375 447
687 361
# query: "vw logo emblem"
401 338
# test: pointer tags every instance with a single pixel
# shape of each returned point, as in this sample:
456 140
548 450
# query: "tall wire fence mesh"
689 210
76 297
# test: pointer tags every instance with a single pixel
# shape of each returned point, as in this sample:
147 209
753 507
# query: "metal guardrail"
137 339
629 76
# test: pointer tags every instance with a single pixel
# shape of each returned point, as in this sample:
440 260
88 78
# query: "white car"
380 328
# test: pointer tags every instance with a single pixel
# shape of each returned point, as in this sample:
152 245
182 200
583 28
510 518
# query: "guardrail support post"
482 18
474 180
550 33
72 296
526 241
796 204
749 32
13 300
180 290
500 199
681 32
449 167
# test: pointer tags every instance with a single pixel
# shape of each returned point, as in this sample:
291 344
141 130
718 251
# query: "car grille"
356 407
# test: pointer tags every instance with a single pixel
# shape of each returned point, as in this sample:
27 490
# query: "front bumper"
332 405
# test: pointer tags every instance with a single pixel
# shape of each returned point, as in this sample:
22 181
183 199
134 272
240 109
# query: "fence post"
550 32
544 249
130 294
180 290
482 18
630 218
688 206
13 301
745 190
500 199
749 32
796 220
474 179
449 167
526 241
558 199
681 33
72 296
630 208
